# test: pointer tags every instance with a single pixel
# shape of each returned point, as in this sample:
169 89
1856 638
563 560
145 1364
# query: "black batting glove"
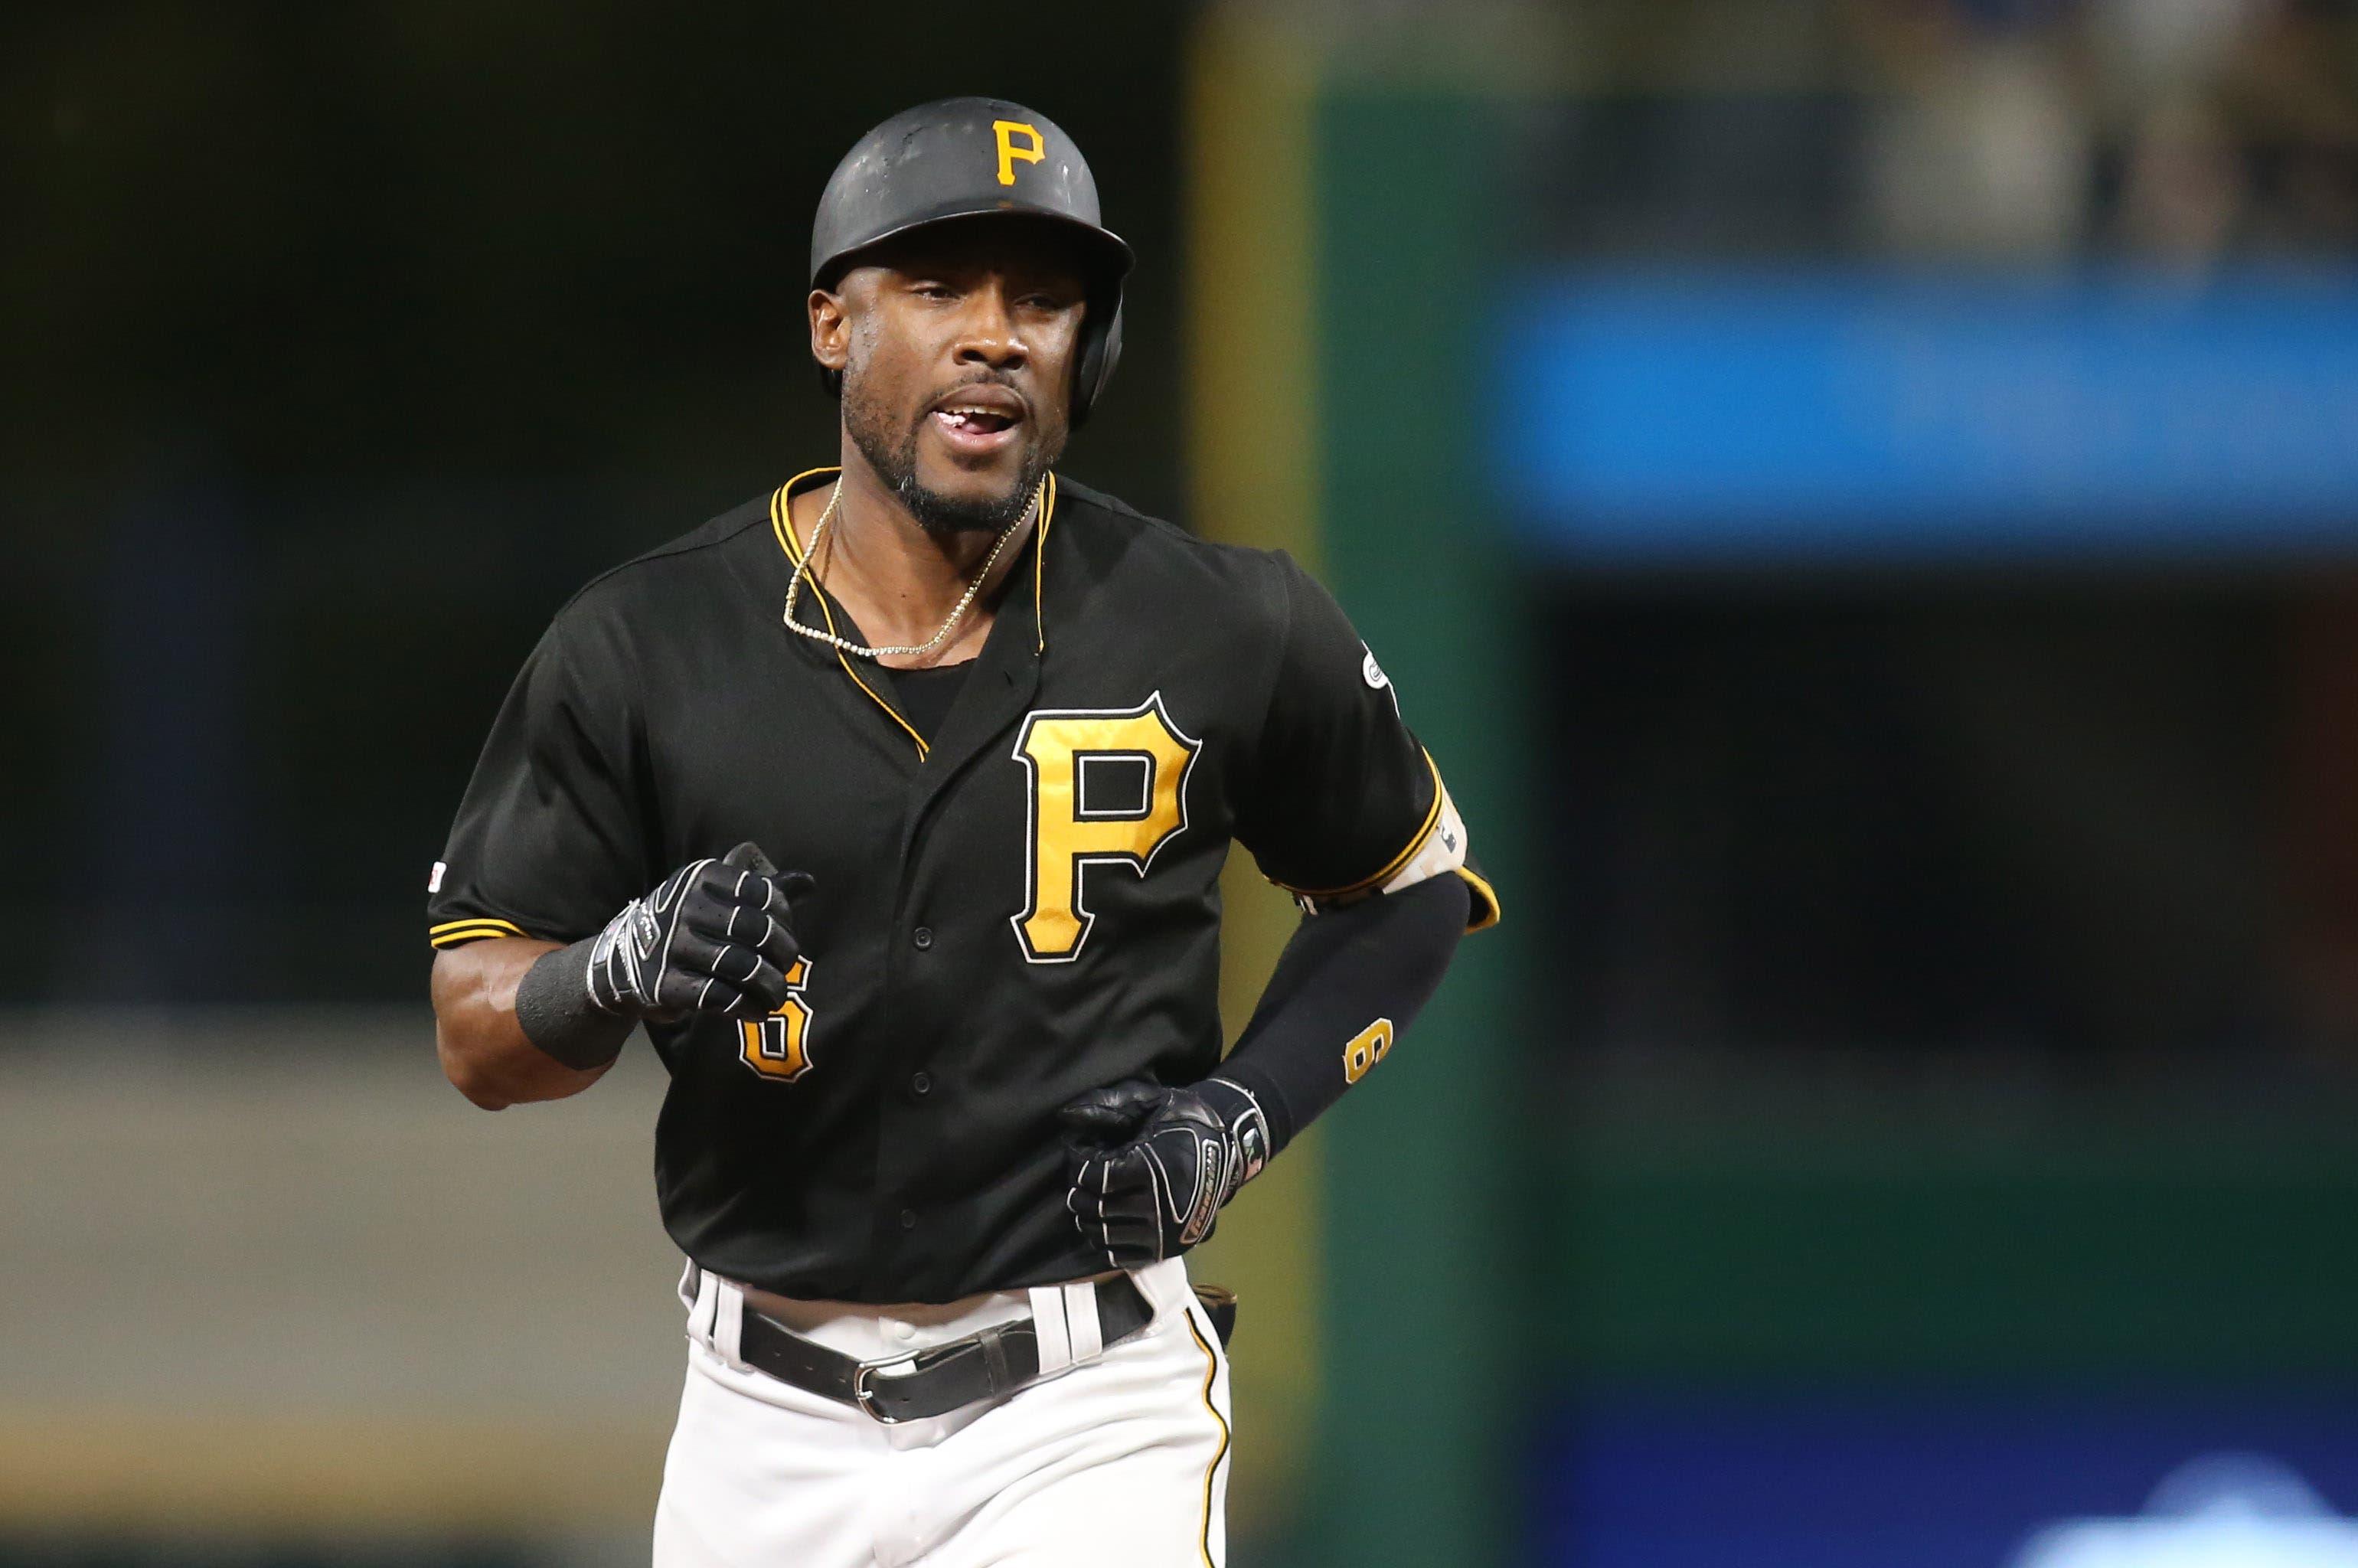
1152 1166
713 937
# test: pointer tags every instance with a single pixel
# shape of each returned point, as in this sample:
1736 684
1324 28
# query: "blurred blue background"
1651 417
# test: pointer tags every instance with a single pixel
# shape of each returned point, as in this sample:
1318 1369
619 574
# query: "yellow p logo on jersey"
1007 131
1109 787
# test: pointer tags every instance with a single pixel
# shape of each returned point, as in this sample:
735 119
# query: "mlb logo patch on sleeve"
1373 674
434 877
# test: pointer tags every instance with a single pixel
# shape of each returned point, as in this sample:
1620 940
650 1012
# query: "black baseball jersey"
1020 909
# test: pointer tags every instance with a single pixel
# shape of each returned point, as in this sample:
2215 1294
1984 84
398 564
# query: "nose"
988 335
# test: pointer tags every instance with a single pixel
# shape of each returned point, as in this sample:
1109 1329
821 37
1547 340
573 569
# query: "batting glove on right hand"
713 937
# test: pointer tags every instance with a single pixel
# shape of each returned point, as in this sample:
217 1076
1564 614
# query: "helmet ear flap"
1100 351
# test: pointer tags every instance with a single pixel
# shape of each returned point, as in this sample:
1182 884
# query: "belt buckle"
865 1397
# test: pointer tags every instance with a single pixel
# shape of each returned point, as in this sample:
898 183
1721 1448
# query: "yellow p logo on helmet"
1007 131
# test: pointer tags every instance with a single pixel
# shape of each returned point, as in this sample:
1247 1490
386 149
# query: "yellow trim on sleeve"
1488 912
1211 1375
457 933
782 522
1392 866
510 926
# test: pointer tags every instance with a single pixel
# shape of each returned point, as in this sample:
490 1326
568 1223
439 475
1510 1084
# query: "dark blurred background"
345 342
1861 497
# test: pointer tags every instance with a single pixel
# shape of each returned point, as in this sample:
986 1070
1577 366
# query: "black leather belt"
936 1381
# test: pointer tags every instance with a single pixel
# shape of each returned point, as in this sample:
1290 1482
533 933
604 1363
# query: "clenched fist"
713 937
1153 1165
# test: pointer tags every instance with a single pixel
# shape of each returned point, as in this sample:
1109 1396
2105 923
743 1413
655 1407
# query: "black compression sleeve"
1381 958
553 1009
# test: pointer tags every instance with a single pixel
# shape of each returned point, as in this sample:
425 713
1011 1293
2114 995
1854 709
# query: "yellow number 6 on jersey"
778 1046
1107 787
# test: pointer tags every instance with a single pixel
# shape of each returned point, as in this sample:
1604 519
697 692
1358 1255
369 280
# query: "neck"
899 580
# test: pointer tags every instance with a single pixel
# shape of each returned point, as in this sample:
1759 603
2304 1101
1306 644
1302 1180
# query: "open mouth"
980 419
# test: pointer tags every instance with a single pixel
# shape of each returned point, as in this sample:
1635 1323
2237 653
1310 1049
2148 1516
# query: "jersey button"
923 936
921 1084
908 1220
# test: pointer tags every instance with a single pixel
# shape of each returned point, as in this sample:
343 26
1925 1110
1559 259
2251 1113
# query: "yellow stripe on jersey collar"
1040 565
782 524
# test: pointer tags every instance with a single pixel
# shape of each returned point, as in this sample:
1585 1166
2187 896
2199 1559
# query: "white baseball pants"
1117 1454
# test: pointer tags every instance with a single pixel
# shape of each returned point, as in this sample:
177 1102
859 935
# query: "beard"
892 454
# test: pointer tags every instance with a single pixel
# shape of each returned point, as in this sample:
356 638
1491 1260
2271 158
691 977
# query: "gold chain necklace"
957 612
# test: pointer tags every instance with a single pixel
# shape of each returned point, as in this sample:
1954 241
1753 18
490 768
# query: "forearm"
521 1020
1348 984
1153 1163
484 1050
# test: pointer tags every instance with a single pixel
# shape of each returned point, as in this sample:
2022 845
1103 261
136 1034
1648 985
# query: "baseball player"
946 1101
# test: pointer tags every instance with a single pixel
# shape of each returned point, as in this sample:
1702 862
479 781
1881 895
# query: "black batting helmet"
973 158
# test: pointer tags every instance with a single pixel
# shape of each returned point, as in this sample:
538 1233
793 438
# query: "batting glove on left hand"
1155 1166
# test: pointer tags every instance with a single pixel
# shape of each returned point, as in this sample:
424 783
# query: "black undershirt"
927 695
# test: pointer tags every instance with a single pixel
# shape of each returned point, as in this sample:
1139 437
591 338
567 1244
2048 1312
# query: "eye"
933 291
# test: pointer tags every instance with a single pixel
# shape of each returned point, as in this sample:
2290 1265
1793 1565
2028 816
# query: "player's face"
958 346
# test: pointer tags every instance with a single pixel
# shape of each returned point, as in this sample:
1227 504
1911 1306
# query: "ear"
830 330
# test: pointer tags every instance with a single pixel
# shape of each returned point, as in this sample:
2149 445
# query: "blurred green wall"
1338 236
1499 1226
